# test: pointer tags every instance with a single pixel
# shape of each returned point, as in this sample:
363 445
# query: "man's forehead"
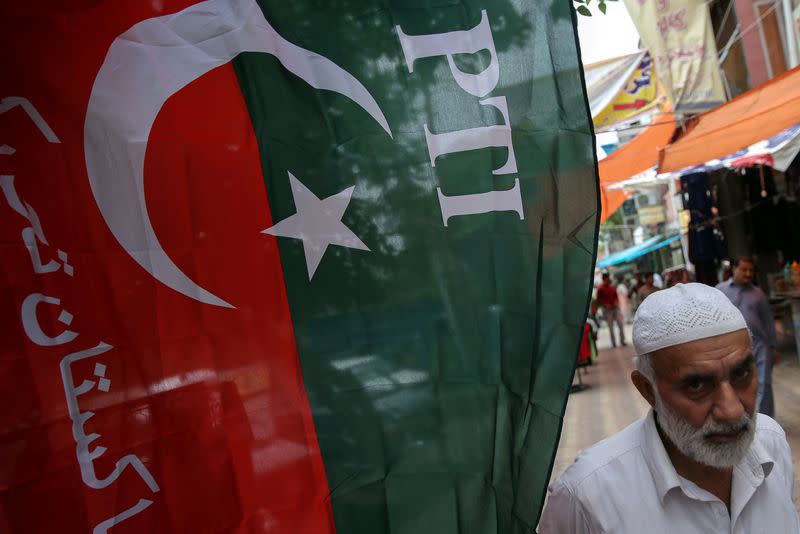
702 365
708 354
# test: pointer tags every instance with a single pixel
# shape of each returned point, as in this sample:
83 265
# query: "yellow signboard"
640 94
651 215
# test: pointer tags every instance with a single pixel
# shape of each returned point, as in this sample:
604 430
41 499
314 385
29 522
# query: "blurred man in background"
623 295
647 288
754 305
609 300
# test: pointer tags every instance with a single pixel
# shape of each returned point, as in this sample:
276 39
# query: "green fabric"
437 364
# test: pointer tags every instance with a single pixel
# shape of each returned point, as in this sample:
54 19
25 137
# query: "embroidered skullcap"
683 313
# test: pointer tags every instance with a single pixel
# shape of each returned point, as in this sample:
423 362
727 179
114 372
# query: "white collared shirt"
627 484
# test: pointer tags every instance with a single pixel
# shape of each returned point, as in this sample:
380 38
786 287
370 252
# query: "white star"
318 223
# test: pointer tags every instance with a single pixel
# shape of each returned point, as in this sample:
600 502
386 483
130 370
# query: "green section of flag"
437 363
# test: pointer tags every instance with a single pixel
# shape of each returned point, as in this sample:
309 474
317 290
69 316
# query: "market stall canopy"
637 251
777 152
747 119
638 156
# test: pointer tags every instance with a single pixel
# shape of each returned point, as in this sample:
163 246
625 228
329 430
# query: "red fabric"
210 399
750 161
585 353
607 295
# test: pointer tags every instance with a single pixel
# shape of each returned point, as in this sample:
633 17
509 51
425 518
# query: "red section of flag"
210 400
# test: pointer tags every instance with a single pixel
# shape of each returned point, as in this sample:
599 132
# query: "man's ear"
644 387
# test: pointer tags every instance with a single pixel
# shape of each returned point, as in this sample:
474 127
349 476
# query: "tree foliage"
582 7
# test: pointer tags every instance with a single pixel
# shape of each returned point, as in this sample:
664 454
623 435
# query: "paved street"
611 402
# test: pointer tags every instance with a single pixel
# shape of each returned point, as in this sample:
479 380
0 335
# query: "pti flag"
289 266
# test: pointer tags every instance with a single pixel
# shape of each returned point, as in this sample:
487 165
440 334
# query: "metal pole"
684 237
791 38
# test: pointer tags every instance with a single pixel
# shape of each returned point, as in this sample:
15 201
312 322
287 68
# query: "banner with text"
605 79
289 267
638 96
680 38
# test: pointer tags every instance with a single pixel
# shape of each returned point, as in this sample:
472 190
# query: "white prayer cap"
683 313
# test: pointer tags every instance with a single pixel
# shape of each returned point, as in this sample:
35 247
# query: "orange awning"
751 117
635 157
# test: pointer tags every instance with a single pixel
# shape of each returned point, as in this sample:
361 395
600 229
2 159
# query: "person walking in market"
647 288
633 291
608 299
754 305
623 296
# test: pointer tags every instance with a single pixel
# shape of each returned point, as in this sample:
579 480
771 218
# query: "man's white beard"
692 441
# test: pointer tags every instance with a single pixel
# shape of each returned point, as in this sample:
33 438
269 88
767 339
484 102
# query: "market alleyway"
611 403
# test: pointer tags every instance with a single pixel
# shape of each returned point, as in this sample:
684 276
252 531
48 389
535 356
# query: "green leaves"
583 7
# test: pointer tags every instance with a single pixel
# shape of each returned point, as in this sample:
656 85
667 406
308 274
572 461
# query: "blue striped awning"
636 251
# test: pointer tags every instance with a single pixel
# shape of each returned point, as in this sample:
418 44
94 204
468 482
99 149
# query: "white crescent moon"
146 65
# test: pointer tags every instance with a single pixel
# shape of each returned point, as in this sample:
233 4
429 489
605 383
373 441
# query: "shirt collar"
758 462
755 466
731 283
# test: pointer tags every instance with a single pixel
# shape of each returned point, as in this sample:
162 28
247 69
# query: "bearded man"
701 460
